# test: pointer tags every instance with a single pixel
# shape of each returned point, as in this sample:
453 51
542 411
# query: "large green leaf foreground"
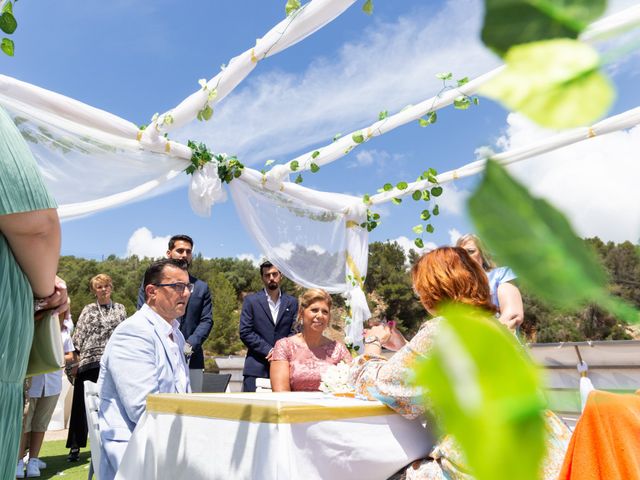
485 391
537 241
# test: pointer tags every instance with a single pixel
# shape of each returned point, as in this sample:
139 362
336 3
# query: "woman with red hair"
445 274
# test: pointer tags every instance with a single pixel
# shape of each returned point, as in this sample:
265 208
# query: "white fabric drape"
313 237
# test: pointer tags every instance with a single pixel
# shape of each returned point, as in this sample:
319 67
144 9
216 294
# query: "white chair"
263 385
91 404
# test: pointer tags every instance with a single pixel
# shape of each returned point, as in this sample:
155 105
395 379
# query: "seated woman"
299 361
444 274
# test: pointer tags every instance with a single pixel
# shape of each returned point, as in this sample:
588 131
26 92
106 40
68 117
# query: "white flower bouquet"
335 380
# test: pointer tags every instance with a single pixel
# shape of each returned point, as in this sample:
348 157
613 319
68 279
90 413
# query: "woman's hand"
396 340
58 301
382 331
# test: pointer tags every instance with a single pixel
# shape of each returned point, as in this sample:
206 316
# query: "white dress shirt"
176 347
274 306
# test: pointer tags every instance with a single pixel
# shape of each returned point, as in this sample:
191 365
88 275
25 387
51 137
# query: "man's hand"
269 355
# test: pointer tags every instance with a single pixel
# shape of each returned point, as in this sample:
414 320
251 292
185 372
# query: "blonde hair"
100 278
487 261
310 297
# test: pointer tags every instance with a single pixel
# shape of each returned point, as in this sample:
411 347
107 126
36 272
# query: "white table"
270 436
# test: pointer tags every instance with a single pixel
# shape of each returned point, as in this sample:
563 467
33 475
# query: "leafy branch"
229 168
8 25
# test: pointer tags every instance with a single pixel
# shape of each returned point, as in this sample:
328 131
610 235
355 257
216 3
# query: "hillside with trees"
388 288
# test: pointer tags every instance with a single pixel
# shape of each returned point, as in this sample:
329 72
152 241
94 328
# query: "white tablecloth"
270 436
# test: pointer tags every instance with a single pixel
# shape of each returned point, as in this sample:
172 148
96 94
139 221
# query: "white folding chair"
263 385
91 404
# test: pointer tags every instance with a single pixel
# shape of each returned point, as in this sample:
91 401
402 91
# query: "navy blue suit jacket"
258 331
197 321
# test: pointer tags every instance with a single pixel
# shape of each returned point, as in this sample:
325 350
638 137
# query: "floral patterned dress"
306 365
376 378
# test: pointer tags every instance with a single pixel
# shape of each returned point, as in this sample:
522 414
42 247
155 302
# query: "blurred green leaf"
418 229
358 137
486 392
7 7
436 210
556 83
396 201
444 75
513 22
462 102
429 228
315 154
314 167
425 215
291 6
436 191
298 179
463 81
419 243
383 114
417 195
402 185
536 240
294 165
7 46
8 22
368 7
387 186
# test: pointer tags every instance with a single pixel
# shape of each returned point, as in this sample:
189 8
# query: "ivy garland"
229 168
8 25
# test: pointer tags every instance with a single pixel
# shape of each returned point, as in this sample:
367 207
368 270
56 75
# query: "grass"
54 453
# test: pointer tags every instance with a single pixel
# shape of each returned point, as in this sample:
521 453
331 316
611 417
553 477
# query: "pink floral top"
306 365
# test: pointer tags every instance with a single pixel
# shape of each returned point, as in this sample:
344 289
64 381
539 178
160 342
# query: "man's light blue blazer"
136 363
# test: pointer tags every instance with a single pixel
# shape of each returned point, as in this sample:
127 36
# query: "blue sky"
135 58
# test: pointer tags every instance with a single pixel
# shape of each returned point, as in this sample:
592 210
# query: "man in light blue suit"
143 356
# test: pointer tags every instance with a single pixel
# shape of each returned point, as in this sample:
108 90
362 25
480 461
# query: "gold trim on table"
259 410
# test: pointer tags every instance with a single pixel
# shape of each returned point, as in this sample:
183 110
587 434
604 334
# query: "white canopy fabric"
92 160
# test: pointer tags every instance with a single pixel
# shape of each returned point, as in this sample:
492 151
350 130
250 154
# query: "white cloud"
407 244
594 182
256 261
284 250
316 248
454 235
391 65
453 200
143 244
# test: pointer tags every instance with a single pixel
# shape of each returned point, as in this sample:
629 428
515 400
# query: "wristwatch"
372 339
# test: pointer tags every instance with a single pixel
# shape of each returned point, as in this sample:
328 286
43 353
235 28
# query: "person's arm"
511 309
247 333
200 334
279 373
34 238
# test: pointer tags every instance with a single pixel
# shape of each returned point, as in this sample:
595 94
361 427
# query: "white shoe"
20 469
32 469
41 465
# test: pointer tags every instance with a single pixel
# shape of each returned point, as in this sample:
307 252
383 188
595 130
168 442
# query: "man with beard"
267 316
197 321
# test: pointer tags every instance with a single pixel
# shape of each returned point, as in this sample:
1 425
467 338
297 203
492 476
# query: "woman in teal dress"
29 251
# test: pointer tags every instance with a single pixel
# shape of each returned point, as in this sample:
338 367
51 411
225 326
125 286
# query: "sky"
135 58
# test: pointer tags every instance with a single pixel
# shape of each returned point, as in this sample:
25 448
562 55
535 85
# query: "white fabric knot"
359 314
206 189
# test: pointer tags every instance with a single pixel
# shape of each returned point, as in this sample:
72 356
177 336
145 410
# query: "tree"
224 338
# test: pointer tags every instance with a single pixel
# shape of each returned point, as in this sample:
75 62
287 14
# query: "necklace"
108 317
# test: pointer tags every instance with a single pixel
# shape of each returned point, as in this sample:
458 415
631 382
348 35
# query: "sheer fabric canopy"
92 160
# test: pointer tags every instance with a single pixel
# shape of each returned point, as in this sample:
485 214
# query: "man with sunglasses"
197 321
143 356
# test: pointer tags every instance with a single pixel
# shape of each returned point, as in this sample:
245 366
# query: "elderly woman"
444 274
504 294
29 252
299 361
95 325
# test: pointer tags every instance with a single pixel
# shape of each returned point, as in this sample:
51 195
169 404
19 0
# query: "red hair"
449 273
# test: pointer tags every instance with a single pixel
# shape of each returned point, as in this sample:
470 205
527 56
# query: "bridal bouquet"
335 379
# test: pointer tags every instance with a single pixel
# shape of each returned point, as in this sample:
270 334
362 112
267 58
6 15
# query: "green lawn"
55 453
